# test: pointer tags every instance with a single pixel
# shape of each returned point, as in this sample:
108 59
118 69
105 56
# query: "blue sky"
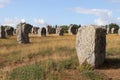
44 12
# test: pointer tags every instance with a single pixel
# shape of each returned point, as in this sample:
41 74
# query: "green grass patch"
45 70
92 75
32 72
52 70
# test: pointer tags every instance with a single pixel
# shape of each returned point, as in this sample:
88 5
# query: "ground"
61 50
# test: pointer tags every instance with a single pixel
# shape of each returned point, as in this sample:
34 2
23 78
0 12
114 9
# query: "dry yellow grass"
10 50
14 55
113 45
52 46
113 41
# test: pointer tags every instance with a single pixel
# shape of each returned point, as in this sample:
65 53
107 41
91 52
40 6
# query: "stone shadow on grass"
111 63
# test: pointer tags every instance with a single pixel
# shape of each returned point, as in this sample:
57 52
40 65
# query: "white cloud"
104 16
23 20
4 3
101 21
97 12
39 22
12 22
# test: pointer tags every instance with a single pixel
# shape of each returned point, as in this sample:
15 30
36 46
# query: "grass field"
54 58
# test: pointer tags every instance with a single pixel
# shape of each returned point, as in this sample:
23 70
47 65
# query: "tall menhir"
91 45
22 31
2 32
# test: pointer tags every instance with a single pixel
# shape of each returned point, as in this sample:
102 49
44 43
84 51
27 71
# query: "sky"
59 12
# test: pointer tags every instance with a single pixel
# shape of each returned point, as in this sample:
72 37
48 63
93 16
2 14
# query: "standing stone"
9 30
35 30
59 31
119 31
72 30
69 30
39 31
22 31
14 32
2 32
108 30
48 29
112 30
91 45
53 30
42 31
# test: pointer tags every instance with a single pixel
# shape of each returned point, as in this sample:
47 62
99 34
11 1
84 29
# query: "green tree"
65 27
114 25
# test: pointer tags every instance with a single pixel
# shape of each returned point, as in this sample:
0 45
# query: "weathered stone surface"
72 30
112 30
91 45
119 31
14 32
22 31
69 30
2 32
42 31
48 29
59 31
108 30
53 30
35 30
9 30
